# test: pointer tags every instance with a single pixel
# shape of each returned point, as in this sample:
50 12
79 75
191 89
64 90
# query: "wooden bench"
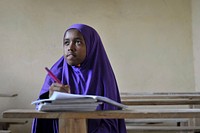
133 122
163 128
170 95
76 121
156 100
143 114
6 122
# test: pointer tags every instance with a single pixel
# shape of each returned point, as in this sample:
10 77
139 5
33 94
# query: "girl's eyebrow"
77 38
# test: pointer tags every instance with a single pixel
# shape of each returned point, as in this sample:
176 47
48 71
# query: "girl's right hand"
58 87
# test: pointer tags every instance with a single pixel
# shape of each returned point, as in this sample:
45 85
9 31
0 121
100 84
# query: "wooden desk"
170 95
141 102
71 122
5 123
173 98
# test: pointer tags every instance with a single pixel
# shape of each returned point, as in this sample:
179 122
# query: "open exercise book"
60 101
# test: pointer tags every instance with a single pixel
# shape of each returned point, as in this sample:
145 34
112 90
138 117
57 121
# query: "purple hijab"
94 77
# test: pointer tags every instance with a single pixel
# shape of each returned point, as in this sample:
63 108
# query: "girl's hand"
58 87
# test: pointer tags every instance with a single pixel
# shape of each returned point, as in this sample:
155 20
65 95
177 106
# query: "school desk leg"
72 126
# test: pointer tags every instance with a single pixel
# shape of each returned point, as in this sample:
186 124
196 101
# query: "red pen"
52 75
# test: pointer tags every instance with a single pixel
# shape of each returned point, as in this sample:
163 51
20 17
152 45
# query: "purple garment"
94 77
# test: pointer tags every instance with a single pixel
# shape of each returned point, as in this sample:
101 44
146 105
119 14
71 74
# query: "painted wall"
196 41
149 43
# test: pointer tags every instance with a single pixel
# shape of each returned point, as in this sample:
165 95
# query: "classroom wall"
196 41
149 43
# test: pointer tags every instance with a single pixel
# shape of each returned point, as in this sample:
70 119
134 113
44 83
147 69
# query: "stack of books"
60 101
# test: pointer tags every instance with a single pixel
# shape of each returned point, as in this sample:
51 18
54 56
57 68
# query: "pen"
52 75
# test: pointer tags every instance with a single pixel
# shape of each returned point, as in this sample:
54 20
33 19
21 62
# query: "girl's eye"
78 42
66 43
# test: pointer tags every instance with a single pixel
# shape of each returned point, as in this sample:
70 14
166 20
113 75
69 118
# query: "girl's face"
74 47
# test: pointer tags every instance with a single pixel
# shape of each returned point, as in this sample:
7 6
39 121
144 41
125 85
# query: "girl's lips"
71 54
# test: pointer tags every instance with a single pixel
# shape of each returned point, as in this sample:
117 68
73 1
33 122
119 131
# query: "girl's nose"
71 46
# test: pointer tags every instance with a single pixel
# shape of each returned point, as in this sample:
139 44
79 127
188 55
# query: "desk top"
136 113
169 101
136 96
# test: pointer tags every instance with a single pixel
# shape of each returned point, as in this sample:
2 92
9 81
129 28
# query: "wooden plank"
161 102
162 128
161 95
137 113
6 122
130 121
12 121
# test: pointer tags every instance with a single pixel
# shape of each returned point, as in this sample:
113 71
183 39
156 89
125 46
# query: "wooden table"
171 98
71 122
161 95
141 102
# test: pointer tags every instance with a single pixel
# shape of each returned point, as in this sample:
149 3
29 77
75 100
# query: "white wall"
149 43
196 40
